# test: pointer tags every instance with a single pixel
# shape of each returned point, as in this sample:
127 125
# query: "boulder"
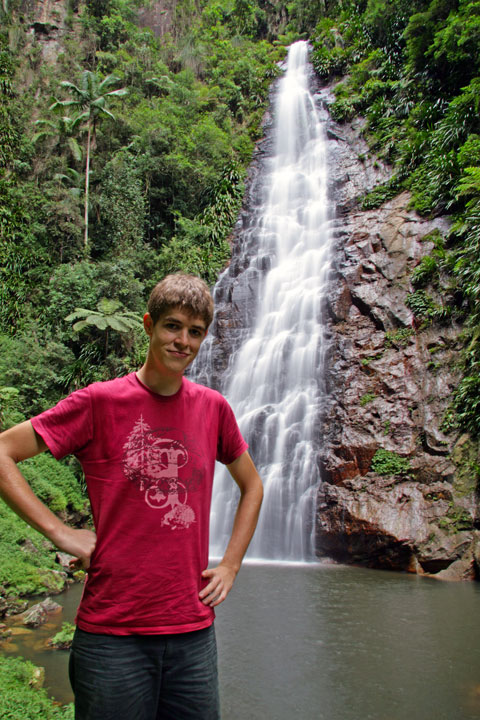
37 614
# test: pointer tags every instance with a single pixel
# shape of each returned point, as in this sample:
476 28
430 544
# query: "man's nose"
182 337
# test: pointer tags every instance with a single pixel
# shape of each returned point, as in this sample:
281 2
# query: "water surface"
319 642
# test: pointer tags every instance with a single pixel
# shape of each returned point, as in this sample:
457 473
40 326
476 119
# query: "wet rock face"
238 288
48 26
390 384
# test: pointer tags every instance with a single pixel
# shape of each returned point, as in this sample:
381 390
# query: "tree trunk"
87 184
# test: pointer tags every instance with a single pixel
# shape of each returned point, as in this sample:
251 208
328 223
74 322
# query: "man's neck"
160 384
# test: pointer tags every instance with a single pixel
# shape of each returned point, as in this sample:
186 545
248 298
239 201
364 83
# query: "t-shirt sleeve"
67 427
231 443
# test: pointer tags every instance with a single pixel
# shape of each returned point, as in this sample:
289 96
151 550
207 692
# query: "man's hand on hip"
221 579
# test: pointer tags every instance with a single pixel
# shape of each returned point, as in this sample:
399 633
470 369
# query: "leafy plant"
398 338
22 698
64 637
54 483
9 407
425 271
107 316
386 462
423 306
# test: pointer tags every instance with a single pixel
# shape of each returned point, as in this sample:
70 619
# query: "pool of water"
320 642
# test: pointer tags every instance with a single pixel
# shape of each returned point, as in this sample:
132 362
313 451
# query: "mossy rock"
466 456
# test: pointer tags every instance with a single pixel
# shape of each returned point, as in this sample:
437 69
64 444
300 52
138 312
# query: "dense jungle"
126 133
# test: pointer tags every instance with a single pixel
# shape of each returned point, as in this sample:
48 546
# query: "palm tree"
106 316
60 129
89 99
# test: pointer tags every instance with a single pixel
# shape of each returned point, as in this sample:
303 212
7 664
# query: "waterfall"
274 381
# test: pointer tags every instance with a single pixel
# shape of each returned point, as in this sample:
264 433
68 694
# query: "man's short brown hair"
185 292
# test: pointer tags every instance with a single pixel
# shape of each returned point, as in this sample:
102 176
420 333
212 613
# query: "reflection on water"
333 643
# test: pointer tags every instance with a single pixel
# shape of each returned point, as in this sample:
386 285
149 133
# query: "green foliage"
120 206
456 519
9 131
381 194
425 271
22 698
89 101
423 306
26 559
54 483
32 362
64 637
106 316
420 303
385 22
398 338
420 34
200 245
367 398
385 462
329 57
303 16
20 251
464 411
9 407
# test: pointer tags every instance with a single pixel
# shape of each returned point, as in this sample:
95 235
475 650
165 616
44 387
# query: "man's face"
175 340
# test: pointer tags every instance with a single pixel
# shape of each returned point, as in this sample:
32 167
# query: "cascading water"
274 381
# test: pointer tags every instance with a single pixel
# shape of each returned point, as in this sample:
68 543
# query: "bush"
32 362
63 639
54 483
22 698
398 338
26 558
425 271
385 462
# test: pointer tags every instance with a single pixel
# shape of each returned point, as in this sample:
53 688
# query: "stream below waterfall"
327 642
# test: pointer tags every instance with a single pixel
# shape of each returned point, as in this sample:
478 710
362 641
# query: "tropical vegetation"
123 155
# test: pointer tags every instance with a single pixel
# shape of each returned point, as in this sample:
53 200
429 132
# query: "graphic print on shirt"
153 463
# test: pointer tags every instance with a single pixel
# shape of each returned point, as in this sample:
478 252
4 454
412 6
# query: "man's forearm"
245 522
222 577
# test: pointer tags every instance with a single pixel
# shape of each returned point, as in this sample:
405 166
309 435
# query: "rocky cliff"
397 491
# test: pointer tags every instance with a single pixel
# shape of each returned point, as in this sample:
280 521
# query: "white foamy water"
274 381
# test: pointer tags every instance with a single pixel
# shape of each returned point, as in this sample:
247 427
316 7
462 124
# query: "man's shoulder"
196 390
115 386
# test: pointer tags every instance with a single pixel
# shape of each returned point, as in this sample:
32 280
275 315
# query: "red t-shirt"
148 461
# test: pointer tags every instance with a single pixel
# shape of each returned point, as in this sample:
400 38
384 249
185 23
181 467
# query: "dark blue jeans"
145 677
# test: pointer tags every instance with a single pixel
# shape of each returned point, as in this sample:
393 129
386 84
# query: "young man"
144 647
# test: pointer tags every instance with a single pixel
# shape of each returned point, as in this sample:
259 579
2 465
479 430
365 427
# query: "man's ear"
148 324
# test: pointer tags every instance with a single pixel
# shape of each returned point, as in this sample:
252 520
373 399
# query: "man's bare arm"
17 444
223 576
